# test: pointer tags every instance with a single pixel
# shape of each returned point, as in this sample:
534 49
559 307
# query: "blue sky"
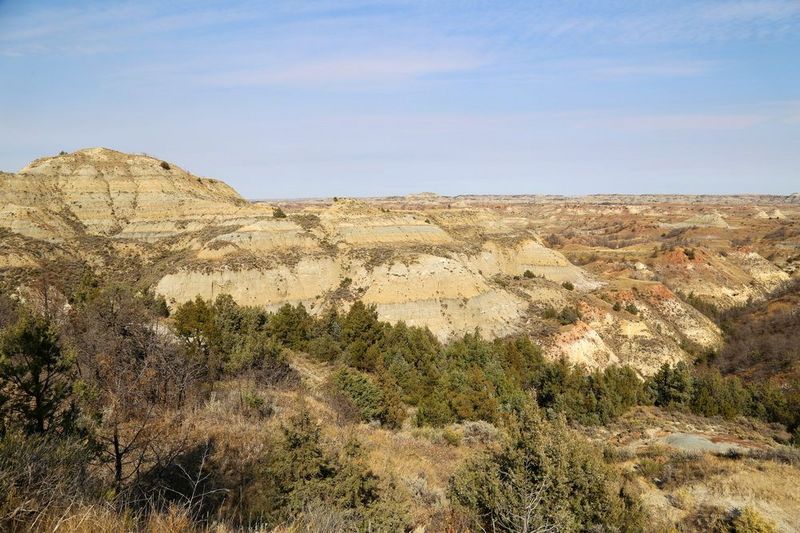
356 98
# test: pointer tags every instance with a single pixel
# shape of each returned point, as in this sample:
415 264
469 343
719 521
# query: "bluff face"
450 264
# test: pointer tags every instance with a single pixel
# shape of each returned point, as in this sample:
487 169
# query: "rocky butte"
598 280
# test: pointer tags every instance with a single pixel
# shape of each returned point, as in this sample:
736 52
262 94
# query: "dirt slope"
505 265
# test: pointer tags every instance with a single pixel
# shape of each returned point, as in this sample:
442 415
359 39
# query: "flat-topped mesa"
108 190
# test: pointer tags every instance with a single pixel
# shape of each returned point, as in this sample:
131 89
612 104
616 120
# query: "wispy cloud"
369 69
677 22
750 10
443 89
102 27
676 122
769 113
611 68
660 70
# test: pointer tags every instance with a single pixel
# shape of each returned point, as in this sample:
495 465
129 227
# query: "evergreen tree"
195 324
34 373
673 387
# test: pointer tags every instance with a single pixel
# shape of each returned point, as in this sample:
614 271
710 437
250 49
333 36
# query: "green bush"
569 315
374 401
226 338
299 474
750 521
324 347
705 307
255 403
545 478
715 395
291 326
451 436
434 410
365 395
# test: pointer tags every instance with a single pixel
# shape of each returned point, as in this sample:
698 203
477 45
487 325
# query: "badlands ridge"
599 280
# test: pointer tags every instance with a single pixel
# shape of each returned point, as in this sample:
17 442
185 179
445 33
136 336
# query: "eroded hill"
598 280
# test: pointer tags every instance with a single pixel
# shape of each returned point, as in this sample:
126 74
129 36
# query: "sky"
320 98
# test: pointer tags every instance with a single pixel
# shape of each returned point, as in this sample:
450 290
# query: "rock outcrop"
449 264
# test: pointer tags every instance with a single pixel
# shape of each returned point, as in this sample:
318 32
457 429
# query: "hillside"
762 338
176 358
626 266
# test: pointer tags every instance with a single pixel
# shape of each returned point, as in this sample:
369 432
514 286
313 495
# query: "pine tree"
34 373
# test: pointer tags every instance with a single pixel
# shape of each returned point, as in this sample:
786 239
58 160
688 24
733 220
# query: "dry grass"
420 462
688 487
102 519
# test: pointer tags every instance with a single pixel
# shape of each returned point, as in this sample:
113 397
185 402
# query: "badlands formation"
599 279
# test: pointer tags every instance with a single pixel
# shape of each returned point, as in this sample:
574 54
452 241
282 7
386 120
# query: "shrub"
278 213
299 474
374 401
258 355
709 519
568 285
569 315
553 240
545 478
705 307
632 309
750 521
528 274
617 306
255 403
685 468
365 395
451 436
714 395
158 305
472 395
165 165
291 326
479 431
434 410
324 347
595 398
194 324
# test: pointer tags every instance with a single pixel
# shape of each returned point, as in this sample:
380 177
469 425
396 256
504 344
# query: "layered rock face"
112 193
449 264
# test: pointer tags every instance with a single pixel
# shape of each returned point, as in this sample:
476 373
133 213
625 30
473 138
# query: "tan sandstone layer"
504 265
